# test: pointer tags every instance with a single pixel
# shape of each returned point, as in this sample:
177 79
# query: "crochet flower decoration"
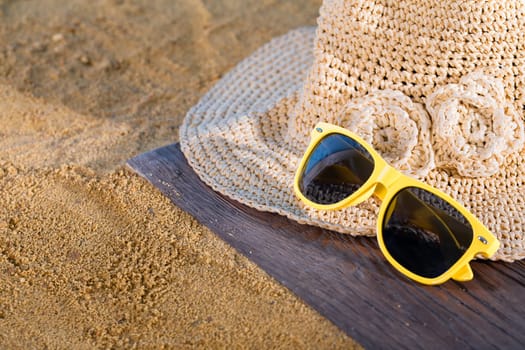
396 127
474 126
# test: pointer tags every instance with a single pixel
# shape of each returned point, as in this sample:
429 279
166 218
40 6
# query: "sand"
91 255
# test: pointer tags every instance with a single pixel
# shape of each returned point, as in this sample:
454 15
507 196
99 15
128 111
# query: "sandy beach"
91 255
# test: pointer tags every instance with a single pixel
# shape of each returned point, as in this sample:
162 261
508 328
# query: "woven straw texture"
437 87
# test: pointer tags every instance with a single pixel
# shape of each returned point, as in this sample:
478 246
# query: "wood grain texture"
347 279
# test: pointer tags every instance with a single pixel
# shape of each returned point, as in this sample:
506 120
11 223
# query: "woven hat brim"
236 137
237 140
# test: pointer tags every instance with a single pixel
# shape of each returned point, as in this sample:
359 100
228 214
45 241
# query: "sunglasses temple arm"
464 274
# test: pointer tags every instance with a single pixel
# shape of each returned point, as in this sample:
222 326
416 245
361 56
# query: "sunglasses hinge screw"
319 130
482 239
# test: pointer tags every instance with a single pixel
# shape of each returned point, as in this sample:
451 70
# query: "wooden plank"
346 279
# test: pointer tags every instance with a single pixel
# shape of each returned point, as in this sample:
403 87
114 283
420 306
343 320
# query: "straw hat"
437 87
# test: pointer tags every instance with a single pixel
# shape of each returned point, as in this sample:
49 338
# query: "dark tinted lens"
424 233
337 168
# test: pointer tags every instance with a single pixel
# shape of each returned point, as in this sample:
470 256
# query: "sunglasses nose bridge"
387 178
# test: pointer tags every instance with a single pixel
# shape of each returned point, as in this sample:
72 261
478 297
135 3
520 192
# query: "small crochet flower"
395 126
474 126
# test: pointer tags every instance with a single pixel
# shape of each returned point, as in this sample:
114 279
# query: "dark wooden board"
346 279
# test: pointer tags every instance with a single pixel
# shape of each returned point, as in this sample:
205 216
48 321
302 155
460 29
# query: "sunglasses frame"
385 182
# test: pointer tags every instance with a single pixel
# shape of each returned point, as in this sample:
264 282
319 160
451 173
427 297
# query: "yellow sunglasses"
423 232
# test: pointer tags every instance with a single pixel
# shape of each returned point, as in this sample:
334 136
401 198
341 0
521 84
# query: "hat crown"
411 46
